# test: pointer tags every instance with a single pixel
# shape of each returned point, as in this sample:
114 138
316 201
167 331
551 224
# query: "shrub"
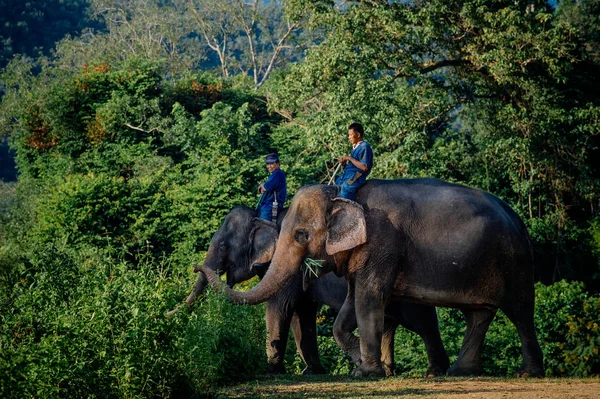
566 318
110 338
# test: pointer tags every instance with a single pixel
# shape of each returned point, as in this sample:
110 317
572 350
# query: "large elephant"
243 247
420 240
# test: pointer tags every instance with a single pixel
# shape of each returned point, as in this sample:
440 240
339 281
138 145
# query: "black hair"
357 127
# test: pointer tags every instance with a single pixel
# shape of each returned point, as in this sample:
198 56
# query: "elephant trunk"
211 261
199 287
273 281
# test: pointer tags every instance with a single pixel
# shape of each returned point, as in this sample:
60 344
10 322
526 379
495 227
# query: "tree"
249 36
32 28
497 94
149 29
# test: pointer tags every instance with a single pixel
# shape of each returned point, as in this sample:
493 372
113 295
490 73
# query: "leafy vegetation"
33 27
498 95
133 141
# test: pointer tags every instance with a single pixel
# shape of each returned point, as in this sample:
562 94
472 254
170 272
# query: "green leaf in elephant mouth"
312 267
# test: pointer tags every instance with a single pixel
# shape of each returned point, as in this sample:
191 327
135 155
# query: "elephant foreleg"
370 318
278 327
369 307
304 327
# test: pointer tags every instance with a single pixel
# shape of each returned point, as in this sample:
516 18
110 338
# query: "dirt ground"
446 388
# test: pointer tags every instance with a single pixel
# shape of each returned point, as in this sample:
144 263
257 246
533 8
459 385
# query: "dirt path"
446 388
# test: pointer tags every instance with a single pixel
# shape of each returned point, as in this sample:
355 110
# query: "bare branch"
139 128
276 53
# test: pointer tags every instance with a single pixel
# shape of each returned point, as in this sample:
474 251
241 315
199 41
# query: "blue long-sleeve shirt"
276 183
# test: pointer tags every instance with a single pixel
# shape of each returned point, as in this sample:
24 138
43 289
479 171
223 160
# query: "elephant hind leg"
533 359
387 347
469 357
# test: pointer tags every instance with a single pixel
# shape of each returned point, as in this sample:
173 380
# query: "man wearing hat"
274 190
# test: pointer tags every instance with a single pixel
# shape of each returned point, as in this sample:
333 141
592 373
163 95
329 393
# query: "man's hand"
261 188
347 158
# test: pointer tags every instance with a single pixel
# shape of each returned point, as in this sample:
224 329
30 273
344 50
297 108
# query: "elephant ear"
263 241
346 228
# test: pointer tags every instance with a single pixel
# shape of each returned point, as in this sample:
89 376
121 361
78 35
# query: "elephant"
243 247
424 241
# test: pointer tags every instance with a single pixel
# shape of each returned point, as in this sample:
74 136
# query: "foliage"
566 318
238 38
33 27
86 326
124 178
129 158
130 161
251 37
148 29
583 339
497 95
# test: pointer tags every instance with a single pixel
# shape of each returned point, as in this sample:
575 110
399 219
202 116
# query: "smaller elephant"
243 247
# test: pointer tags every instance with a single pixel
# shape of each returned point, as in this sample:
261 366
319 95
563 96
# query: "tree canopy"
498 95
135 134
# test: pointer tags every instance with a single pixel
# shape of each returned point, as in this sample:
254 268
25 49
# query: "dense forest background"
135 126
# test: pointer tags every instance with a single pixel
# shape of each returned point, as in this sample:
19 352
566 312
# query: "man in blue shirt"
274 190
357 165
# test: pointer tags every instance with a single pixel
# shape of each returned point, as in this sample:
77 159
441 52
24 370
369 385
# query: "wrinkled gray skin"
242 240
429 242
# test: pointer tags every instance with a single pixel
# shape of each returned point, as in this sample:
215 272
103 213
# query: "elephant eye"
223 246
301 236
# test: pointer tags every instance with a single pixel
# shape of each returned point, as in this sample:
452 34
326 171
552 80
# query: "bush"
567 322
109 337
566 318
125 176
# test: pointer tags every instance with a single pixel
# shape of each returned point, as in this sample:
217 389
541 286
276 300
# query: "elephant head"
317 225
241 248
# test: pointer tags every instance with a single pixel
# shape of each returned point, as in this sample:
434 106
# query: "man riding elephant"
274 190
419 240
357 165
